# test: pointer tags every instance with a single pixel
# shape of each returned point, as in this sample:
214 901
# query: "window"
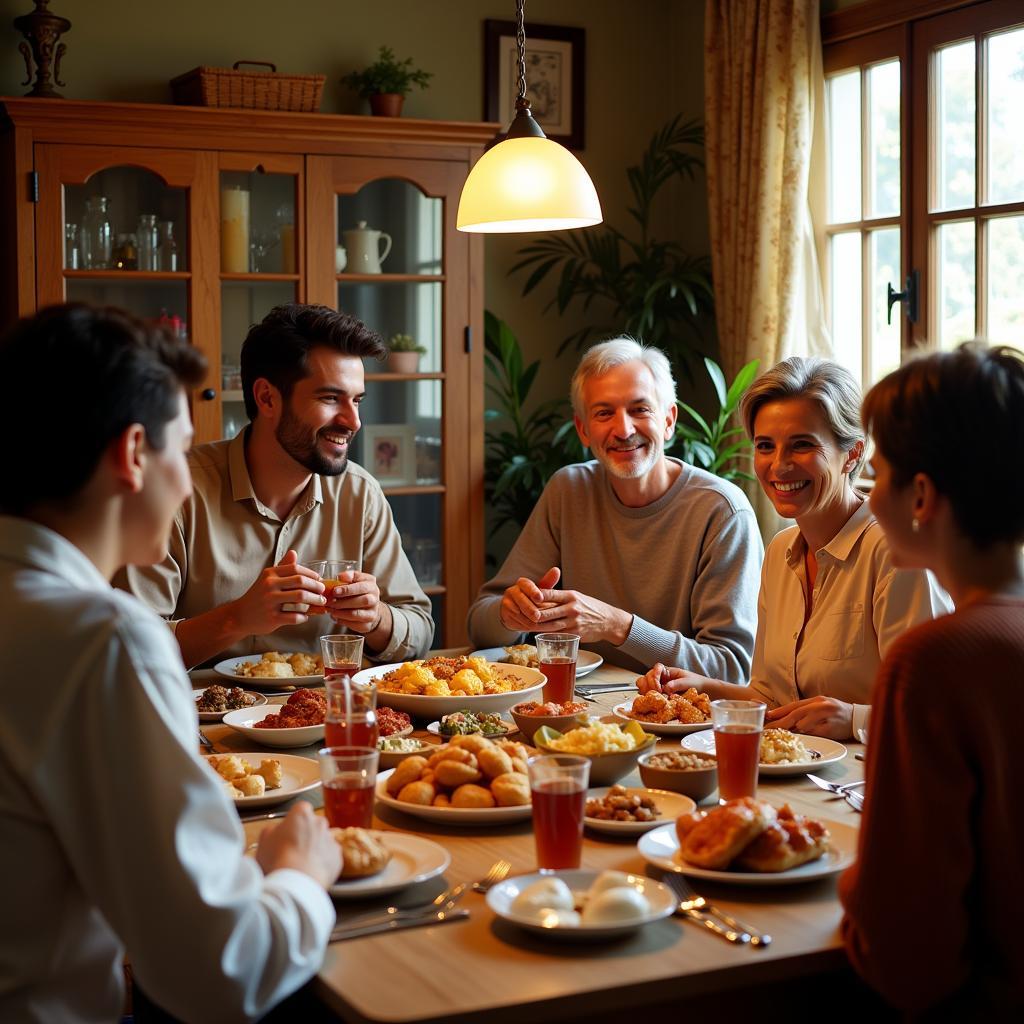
936 189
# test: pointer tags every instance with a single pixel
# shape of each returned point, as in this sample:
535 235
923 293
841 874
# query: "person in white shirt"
116 833
831 600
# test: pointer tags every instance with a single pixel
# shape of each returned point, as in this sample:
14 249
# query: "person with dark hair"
934 899
115 832
831 599
283 492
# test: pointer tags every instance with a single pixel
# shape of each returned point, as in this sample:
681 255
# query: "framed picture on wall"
389 452
555 62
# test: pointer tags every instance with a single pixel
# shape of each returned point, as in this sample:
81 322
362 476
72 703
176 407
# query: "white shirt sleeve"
158 847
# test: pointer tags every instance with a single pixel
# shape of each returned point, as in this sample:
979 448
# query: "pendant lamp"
527 182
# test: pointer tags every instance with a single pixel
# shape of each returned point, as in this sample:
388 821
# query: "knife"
394 925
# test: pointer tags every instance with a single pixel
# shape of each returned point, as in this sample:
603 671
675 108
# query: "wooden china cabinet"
208 218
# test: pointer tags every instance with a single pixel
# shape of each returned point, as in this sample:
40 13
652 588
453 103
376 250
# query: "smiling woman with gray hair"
831 600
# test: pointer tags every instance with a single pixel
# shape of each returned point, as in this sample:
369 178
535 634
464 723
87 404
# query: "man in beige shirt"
283 493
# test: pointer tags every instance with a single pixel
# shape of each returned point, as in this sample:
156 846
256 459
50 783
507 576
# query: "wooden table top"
485 967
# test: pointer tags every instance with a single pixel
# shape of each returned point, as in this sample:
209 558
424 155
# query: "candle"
234 230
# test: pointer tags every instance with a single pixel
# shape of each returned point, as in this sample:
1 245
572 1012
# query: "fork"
833 787
496 873
701 910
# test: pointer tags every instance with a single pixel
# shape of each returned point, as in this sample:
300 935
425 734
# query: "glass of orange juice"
329 570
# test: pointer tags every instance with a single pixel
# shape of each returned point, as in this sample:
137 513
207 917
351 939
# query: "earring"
915 526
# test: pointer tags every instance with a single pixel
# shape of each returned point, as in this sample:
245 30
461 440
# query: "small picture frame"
389 453
555 63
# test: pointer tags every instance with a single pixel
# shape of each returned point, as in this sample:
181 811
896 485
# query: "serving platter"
586 661
226 668
457 816
298 775
661 728
244 721
216 716
828 751
670 806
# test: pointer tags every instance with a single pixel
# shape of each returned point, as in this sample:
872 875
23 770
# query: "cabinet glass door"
118 227
259 206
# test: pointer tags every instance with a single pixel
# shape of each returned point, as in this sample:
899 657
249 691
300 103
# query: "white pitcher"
363 245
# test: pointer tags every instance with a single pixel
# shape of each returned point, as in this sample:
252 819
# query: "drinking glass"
556 656
558 789
351 707
330 569
737 725
348 775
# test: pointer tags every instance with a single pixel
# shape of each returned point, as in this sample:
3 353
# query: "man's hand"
303 843
356 603
816 716
522 603
569 611
259 610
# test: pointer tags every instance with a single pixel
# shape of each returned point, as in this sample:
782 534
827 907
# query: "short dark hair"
277 347
109 368
958 417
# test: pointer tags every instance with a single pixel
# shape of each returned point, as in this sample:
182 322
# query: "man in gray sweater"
658 560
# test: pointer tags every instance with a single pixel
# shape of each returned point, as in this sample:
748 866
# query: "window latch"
911 288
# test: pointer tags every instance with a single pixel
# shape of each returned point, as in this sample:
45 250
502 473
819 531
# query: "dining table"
483 968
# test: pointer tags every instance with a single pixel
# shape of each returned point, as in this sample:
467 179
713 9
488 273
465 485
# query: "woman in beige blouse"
831 600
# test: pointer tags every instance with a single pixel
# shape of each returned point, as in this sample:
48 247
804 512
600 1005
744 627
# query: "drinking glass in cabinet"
96 241
147 240
284 218
71 246
167 250
234 230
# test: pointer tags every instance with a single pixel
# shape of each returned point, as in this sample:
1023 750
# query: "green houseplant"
404 355
523 446
387 81
651 289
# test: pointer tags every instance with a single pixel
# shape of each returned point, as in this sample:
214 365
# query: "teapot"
363 245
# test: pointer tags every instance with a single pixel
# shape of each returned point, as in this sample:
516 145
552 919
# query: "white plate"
413 860
298 775
452 815
431 708
586 661
830 751
216 716
671 805
501 897
661 848
510 727
661 728
227 668
244 721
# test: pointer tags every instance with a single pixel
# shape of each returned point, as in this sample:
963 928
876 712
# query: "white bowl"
431 708
244 720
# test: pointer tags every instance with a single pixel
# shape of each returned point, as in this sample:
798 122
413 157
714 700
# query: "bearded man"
283 492
655 557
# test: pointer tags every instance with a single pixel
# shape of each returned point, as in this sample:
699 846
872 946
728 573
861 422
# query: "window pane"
956 283
844 147
1005 103
1005 270
955 127
845 287
885 337
884 102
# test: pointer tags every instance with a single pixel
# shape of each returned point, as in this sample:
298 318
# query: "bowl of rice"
613 748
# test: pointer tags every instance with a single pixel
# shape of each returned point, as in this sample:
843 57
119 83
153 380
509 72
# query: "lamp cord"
521 45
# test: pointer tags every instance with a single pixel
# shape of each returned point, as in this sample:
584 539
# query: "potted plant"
386 82
405 354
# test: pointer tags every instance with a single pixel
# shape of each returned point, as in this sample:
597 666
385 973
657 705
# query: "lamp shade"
528 184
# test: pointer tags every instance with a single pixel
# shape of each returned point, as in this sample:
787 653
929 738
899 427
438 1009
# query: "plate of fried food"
255 780
782 752
299 722
668 714
526 655
439 686
469 781
376 863
749 842
214 702
274 669
630 811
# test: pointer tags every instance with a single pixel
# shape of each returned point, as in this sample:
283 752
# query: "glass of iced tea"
329 571
558 789
348 775
556 656
351 719
737 725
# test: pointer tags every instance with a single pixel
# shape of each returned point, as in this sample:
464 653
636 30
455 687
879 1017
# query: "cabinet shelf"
128 276
404 489
391 278
256 276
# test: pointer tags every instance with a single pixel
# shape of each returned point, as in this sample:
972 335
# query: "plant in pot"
386 82
404 356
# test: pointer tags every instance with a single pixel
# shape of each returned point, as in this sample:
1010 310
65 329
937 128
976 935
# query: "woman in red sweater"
935 902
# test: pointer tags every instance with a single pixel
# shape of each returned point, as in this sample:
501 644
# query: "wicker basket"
255 90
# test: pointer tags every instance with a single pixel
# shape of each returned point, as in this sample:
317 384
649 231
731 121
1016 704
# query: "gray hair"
602 358
832 386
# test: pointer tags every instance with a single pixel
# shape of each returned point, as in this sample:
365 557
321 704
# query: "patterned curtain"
763 86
